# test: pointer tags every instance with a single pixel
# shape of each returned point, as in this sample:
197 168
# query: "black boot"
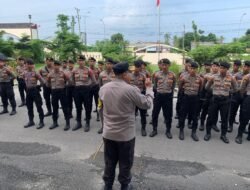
153 133
107 187
41 124
126 187
22 104
86 126
224 139
67 126
181 134
238 139
168 134
207 137
194 136
29 124
143 131
248 137
77 126
54 125
230 128
100 130
13 112
49 113
5 110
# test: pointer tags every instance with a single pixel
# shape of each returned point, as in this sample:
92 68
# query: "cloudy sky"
136 19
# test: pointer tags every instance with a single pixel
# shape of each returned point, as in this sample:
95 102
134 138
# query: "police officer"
70 87
190 86
105 77
64 66
7 92
100 66
222 85
245 107
46 89
20 69
208 98
180 95
207 70
236 99
138 79
57 81
84 78
119 125
164 83
95 87
33 94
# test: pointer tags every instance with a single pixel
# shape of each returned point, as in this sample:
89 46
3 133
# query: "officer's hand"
148 83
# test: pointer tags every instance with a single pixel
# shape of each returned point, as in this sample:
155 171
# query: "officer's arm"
140 100
92 76
66 76
234 85
181 84
100 80
40 78
10 73
209 83
155 81
244 84
201 84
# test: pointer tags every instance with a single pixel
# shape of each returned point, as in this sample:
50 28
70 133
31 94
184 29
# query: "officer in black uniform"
222 84
46 89
33 94
236 99
245 107
6 86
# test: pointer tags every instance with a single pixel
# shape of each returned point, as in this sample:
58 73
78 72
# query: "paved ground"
50 160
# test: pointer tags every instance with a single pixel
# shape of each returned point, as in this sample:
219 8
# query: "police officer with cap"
138 79
222 84
6 87
31 78
20 69
164 83
119 101
83 78
57 80
245 107
190 85
236 97
44 72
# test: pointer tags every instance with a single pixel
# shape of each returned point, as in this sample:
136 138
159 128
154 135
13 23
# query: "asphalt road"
53 159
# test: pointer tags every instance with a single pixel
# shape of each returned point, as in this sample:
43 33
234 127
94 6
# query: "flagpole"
159 30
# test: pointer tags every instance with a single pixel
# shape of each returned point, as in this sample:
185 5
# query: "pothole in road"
27 149
145 165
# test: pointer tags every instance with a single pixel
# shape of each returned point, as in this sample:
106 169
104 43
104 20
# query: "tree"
6 46
66 44
115 47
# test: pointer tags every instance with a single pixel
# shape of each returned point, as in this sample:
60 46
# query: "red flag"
157 3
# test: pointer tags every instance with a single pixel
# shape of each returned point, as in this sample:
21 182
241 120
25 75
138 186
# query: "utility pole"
31 36
85 30
79 20
73 25
183 44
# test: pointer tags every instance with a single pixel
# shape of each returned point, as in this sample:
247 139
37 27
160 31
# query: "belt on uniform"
81 87
191 95
57 89
221 97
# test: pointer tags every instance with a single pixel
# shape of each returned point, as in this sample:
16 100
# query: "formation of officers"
203 93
